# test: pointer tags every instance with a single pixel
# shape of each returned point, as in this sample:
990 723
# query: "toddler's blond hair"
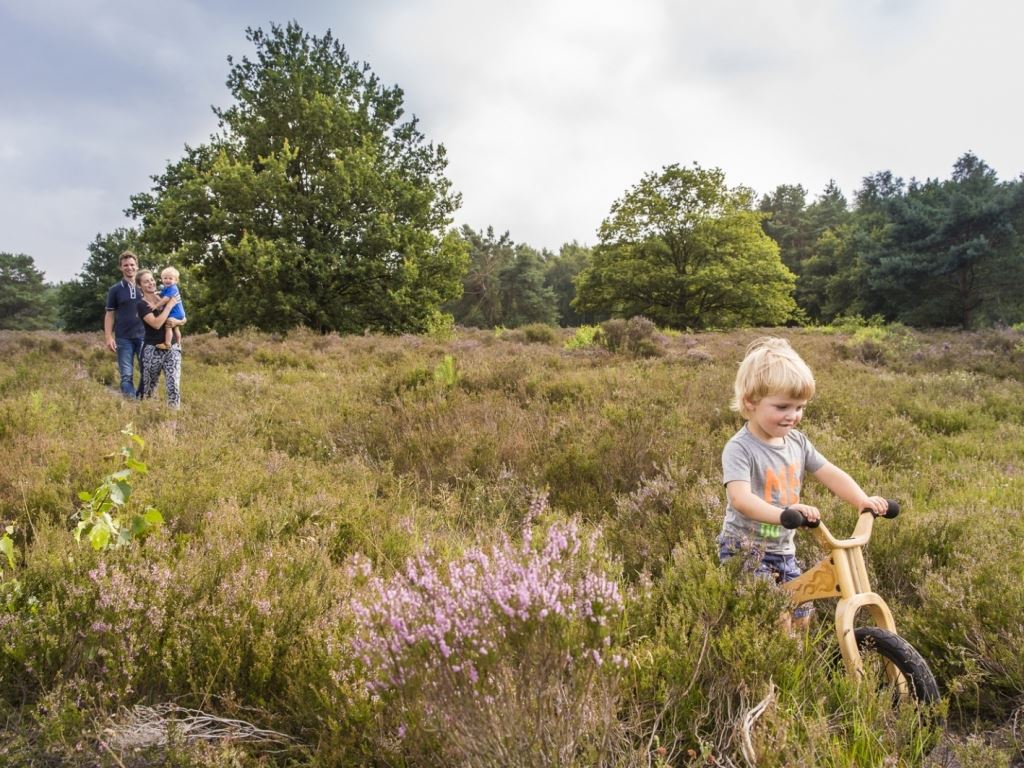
770 367
170 271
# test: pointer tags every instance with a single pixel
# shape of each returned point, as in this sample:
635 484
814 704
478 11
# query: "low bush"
469 657
295 458
635 337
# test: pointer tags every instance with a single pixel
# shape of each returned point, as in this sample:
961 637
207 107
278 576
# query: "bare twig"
112 753
143 726
749 721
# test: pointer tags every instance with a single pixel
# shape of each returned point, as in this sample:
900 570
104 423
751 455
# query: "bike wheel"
905 669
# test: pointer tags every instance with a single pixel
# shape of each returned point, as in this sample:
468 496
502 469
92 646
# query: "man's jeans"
128 351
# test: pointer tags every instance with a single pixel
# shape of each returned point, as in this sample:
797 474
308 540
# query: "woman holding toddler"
154 311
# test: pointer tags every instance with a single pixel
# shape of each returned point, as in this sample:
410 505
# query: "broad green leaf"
135 465
84 496
7 548
99 537
153 516
120 492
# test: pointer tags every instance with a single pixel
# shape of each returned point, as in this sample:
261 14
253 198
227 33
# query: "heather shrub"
710 650
874 343
539 333
613 334
470 658
635 337
294 454
650 520
708 642
640 337
967 621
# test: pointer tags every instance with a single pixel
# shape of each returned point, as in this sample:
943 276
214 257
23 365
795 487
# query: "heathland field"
491 549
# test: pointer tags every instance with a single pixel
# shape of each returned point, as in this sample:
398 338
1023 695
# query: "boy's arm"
749 505
846 488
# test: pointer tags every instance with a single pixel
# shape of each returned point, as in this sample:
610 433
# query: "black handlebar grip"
890 512
792 518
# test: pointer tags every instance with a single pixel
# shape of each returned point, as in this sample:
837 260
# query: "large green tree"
525 296
81 302
25 302
560 273
479 306
504 284
788 224
685 250
831 281
815 244
945 252
315 204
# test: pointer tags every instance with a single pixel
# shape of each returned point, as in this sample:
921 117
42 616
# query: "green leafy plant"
440 326
7 548
583 338
104 517
10 587
445 373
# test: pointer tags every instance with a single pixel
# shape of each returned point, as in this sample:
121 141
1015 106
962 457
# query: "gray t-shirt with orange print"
776 474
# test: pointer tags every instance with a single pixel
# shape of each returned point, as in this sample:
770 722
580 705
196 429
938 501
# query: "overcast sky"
550 109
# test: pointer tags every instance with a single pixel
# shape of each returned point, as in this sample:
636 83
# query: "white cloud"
550 110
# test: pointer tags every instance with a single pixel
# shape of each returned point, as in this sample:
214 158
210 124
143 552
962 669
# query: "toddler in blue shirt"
169 278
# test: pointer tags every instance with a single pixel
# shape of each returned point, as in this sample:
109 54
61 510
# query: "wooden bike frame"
842 574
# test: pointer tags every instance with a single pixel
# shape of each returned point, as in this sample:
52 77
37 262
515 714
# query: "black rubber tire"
903 656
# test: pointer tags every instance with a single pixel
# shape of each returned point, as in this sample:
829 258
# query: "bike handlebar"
794 518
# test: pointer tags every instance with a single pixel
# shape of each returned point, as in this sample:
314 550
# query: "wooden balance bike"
842 574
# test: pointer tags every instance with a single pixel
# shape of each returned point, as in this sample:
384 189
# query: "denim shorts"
765 565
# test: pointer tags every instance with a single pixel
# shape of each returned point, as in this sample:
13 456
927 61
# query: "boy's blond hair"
170 271
771 367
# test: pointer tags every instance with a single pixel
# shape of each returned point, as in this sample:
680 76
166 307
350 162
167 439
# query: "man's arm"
108 330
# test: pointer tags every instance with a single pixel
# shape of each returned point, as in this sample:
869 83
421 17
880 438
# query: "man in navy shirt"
122 327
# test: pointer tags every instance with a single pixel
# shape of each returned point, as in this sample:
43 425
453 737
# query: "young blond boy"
764 464
169 277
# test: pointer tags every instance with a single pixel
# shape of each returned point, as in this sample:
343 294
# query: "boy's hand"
876 504
811 514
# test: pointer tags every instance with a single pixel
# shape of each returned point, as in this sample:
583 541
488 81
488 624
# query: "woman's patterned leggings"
167 360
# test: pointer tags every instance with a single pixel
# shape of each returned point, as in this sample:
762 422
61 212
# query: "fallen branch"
747 729
143 726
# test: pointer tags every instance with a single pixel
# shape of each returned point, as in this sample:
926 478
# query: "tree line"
318 204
